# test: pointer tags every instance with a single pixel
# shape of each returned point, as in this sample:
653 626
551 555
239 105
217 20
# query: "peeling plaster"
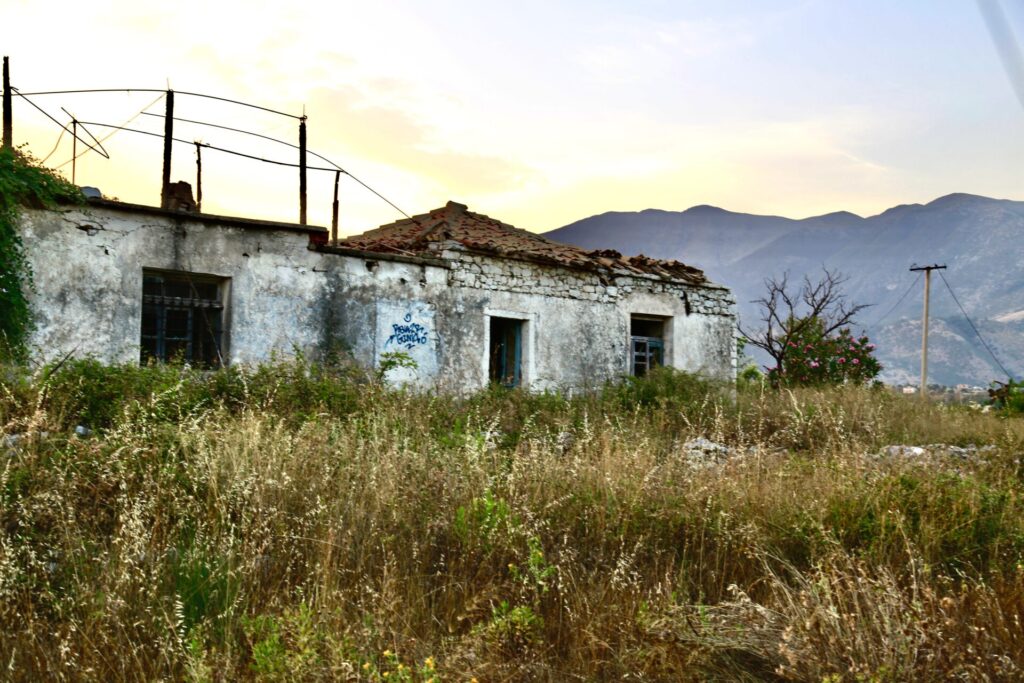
284 296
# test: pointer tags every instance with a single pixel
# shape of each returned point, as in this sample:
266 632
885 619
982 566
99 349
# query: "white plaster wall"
283 297
88 267
408 327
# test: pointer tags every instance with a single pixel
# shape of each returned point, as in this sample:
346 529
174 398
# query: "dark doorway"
506 352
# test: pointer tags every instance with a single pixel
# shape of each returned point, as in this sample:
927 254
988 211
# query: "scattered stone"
902 451
566 440
12 443
82 431
701 452
967 452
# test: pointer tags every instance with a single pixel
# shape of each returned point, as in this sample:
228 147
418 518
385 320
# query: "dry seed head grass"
222 540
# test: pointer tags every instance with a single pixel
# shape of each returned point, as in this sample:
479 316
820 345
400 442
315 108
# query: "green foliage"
513 630
393 360
480 521
536 573
204 585
88 392
1008 397
23 183
665 387
814 359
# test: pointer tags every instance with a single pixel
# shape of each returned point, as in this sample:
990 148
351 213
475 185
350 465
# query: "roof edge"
250 223
382 256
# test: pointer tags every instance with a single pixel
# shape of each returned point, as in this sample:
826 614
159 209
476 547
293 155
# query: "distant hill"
981 240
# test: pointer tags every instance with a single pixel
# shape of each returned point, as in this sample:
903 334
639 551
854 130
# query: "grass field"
296 522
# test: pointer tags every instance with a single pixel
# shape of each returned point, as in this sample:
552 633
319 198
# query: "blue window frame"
647 344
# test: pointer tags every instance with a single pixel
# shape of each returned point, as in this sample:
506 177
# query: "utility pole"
8 142
924 324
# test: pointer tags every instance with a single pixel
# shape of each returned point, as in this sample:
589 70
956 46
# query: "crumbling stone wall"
284 296
479 271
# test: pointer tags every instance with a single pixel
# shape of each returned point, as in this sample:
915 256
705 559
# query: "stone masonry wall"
479 271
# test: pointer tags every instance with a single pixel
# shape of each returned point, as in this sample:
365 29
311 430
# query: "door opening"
506 351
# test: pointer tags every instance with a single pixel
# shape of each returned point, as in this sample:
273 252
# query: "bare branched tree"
788 312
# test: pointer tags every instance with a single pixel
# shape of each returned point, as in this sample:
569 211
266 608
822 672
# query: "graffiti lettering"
409 335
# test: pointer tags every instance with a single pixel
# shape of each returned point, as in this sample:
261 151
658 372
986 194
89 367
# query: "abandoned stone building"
470 299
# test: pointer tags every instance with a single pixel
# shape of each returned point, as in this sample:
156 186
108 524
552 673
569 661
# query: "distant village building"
470 299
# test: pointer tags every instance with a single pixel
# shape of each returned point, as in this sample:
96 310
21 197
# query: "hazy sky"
538 113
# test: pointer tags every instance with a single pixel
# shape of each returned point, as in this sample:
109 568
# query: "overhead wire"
249 132
163 93
293 146
974 327
177 92
55 146
896 305
114 132
256 158
64 127
74 121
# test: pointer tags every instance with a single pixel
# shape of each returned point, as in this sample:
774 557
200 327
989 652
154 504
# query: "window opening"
647 344
182 318
506 352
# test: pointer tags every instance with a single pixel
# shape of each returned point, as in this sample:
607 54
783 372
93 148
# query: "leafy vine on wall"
24 183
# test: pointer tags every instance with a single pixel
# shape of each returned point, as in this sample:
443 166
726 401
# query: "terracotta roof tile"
477 232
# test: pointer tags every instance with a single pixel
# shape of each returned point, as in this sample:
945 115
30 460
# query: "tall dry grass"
301 523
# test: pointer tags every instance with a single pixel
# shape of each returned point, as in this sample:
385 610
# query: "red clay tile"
477 232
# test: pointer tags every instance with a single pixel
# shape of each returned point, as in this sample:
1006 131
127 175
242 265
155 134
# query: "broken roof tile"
477 232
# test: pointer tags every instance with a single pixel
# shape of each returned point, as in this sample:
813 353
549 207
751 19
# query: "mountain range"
979 239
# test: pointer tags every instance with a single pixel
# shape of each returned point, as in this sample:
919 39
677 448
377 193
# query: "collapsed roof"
454 222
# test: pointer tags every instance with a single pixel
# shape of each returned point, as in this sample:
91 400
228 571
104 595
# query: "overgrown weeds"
295 522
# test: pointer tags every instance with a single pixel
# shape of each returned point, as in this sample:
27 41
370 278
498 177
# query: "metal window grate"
182 319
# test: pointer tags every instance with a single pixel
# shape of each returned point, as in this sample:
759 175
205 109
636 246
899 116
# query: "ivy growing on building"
24 183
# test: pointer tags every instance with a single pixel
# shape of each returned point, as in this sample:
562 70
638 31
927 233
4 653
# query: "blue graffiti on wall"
410 335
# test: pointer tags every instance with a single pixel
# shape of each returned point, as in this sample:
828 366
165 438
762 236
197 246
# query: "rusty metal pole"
165 199
8 114
334 210
199 176
74 149
302 170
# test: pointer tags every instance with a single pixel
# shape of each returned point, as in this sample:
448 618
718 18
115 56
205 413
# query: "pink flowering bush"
813 359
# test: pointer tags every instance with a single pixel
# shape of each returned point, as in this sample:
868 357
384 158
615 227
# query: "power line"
209 146
255 158
178 92
974 327
114 132
896 305
75 121
379 195
220 149
248 132
63 127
